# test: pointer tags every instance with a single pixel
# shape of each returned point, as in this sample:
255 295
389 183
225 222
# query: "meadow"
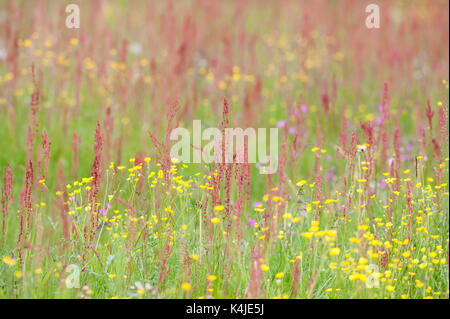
94 206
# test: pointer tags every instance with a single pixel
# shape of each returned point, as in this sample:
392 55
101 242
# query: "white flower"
136 48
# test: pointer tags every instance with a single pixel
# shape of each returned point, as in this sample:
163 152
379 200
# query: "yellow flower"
141 291
390 288
301 183
335 251
212 277
332 265
215 220
186 286
18 274
195 256
279 275
219 208
307 235
7 260
111 276
264 267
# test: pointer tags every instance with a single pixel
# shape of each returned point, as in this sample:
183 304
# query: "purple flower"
257 204
330 174
108 205
304 108
281 124
291 130
382 183
103 211
251 222
378 120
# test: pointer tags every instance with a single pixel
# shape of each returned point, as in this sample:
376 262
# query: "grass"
359 205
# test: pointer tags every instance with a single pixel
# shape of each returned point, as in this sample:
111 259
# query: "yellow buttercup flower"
186 286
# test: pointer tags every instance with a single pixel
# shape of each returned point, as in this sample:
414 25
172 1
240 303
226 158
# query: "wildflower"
363 227
307 235
9 261
215 220
281 123
264 267
332 265
219 208
279 275
301 183
141 291
212 277
186 286
335 251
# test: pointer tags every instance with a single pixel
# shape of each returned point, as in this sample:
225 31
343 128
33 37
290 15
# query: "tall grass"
359 205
